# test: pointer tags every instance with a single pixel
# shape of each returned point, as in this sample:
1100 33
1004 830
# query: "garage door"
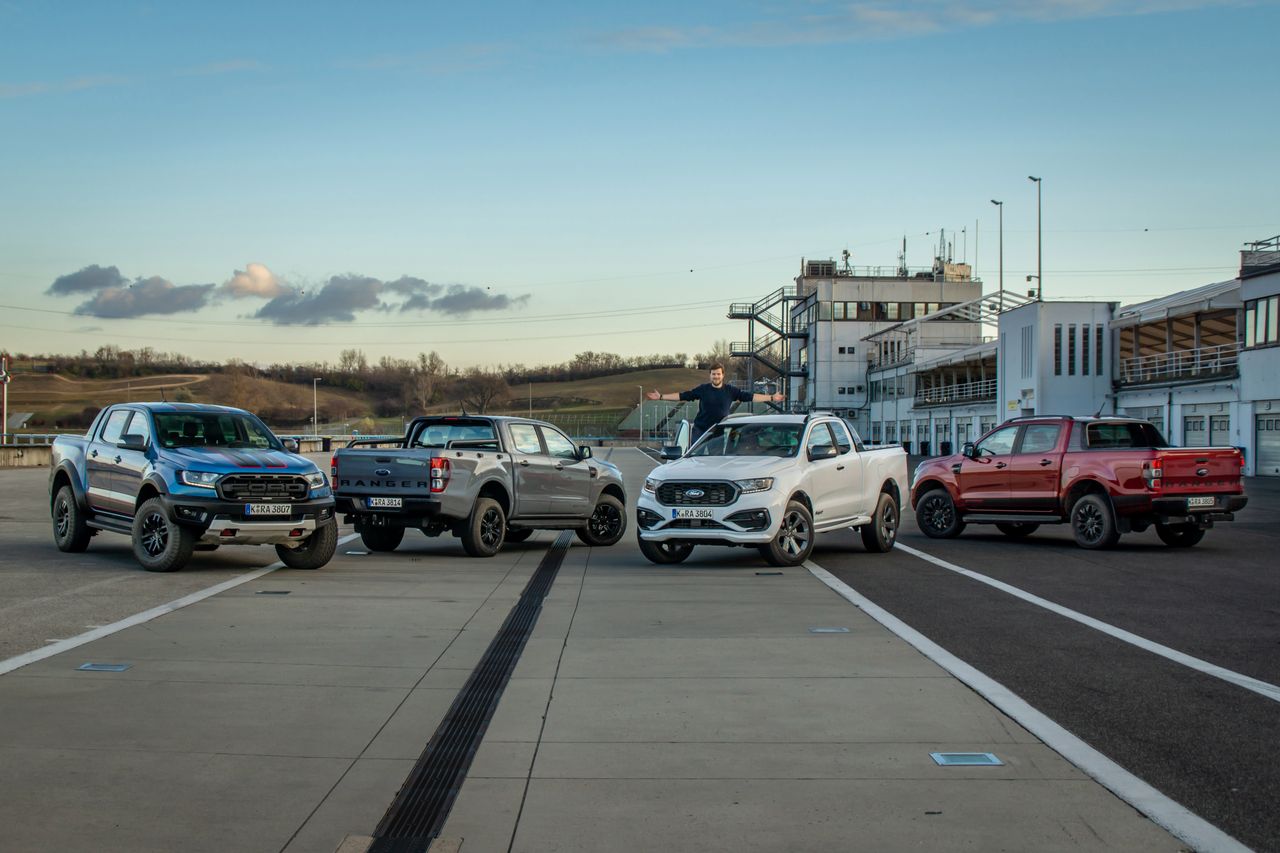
1268 445
1219 430
1193 432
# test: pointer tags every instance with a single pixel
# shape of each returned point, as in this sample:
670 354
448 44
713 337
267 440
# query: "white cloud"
255 280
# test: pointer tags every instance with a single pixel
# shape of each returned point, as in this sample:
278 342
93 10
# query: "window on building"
824 310
840 390
841 350
1057 349
1261 323
1084 350
906 310
1097 350
1071 349
837 310
1028 351
891 311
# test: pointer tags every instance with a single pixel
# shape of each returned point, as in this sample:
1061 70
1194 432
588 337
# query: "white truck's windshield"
758 439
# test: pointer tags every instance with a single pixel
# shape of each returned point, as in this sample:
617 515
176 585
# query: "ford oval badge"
383 472
1202 472
694 493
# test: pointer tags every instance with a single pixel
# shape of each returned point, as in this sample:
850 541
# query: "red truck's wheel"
1179 535
936 515
1093 523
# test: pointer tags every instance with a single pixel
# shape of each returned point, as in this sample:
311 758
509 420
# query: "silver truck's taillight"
441 471
333 469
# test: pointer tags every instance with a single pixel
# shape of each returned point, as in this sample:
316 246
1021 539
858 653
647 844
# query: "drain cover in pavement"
828 630
273 592
104 667
966 759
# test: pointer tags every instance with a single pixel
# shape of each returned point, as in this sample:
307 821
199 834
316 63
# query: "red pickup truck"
1103 476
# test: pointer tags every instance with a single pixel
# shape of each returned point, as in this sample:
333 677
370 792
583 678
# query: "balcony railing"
1181 364
982 389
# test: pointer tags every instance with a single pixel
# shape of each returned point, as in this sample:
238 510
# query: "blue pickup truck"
179 477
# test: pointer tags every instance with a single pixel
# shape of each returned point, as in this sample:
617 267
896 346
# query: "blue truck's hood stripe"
238 458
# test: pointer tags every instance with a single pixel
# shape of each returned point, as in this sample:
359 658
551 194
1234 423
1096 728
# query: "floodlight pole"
1039 271
1000 206
641 387
315 407
4 406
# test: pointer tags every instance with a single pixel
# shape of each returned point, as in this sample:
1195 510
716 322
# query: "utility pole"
315 407
641 387
1000 206
4 406
1039 271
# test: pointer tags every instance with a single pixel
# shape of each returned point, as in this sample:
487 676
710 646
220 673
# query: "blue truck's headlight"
317 480
199 479
759 484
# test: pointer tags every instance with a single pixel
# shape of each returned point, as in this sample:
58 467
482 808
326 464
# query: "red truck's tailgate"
1200 469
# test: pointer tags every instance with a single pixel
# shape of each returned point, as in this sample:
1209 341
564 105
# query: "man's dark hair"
715 365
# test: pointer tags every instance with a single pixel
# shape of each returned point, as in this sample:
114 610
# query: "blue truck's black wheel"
607 523
159 544
486 529
70 533
313 553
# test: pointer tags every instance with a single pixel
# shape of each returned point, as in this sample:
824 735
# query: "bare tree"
424 378
479 388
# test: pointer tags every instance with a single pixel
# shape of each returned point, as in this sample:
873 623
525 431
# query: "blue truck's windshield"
749 440
213 429
457 432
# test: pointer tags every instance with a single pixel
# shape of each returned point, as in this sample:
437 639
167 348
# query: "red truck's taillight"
441 471
1153 473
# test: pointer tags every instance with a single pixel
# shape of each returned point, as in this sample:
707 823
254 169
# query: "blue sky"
517 182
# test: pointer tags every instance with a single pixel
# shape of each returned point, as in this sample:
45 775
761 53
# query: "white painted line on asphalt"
61 646
1177 819
1262 688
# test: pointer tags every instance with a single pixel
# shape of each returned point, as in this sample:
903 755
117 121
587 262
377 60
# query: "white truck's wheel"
794 541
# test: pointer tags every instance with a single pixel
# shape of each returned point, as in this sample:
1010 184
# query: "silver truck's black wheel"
936 515
1179 535
794 541
485 530
382 538
665 553
160 544
70 533
880 535
607 523
313 553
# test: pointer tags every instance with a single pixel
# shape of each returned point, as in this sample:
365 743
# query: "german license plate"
386 503
692 513
1201 502
267 509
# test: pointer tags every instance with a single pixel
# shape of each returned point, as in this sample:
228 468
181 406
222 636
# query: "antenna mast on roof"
902 259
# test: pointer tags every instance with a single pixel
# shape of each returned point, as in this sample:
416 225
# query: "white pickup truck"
772 482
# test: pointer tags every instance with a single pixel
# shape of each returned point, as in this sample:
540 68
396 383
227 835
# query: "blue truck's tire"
160 544
315 552
607 523
70 533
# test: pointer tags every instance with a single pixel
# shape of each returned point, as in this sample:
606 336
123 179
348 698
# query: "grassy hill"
60 402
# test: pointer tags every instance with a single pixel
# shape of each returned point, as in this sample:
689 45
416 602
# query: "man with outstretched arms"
715 399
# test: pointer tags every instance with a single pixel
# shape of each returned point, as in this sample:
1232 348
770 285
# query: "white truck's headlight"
650 484
759 484
317 480
199 479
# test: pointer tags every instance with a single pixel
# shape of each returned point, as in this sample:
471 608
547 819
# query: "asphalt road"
1207 744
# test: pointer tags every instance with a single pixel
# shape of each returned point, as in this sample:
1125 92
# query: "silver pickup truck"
487 480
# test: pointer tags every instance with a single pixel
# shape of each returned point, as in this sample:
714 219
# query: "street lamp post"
1039 271
4 406
1000 206
641 387
315 407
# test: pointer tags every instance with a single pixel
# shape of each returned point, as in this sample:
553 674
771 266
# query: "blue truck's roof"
184 407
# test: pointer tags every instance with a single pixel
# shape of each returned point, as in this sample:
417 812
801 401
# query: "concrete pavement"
654 708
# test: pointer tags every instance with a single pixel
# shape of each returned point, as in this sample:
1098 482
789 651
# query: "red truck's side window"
1040 438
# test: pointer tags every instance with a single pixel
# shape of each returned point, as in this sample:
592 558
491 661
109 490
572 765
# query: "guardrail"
1178 364
983 389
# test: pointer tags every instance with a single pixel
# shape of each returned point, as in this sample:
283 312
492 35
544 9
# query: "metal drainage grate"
104 667
420 809
273 592
828 630
966 759
768 574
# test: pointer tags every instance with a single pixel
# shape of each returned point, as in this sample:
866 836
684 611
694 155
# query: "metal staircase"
769 333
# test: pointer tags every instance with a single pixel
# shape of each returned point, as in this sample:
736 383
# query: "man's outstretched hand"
654 395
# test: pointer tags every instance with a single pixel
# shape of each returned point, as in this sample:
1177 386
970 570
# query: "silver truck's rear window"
457 432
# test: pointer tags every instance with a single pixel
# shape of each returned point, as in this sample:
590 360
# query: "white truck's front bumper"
751 519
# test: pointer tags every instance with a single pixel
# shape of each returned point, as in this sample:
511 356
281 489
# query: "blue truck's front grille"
260 487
